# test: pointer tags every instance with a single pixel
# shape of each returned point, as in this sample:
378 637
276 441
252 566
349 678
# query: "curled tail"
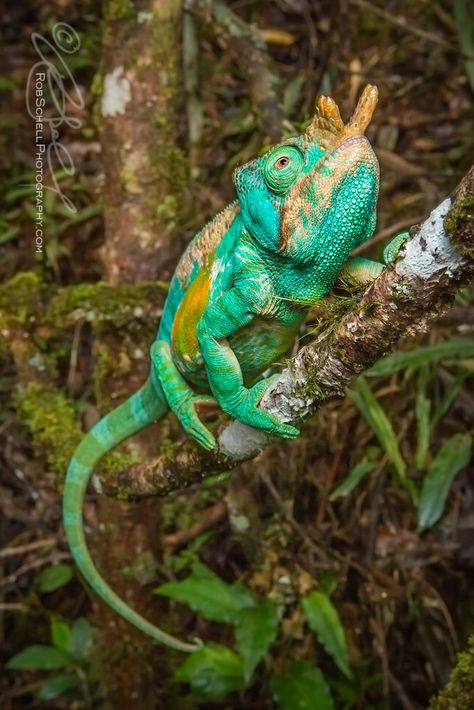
141 409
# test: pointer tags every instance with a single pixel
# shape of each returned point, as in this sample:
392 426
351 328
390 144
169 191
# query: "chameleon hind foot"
180 397
189 419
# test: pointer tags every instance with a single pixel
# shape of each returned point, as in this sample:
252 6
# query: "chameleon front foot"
392 249
247 412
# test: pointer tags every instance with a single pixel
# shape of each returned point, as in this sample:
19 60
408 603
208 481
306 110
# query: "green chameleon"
239 296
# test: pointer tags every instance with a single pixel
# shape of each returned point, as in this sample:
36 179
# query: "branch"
435 262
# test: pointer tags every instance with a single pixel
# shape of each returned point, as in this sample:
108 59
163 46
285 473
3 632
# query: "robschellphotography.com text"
51 92
40 103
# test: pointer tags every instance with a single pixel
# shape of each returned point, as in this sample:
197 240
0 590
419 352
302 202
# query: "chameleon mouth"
327 126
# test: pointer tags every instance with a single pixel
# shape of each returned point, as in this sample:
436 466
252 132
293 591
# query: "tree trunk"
145 171
144 178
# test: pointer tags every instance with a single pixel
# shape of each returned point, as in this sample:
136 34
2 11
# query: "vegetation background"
314 579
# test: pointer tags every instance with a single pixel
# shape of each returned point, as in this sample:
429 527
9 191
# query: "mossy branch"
435 262
34 318
459 692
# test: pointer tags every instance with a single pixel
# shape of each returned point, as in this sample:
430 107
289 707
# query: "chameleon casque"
239 296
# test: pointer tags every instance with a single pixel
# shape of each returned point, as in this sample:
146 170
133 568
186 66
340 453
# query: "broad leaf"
255 630
54 577
453 348
212 671
39 657
359 472
60 634
324 620
453 455
301 687
58 685
81 639
207 594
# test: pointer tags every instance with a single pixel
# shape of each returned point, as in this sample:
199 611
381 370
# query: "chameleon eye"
282 166
282 162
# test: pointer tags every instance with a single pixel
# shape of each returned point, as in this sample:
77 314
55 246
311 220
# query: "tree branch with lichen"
436 261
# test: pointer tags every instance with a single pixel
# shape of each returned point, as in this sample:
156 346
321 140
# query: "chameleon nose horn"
327 126
363 111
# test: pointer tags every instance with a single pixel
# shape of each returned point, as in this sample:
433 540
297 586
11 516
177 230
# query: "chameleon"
239 297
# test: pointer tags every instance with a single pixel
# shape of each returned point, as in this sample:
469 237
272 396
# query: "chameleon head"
315 194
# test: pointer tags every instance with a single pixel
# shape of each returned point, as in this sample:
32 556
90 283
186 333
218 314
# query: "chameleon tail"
141 409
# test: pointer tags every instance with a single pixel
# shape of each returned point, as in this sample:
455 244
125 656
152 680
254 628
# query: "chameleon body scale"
239 296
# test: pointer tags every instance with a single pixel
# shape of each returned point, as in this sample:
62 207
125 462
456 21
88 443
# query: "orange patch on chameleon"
184 343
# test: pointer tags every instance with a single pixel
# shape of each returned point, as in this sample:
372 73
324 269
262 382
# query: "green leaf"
212 671
255 630
452 348
292 92
422 412
55 577
57 685
448 398
301 687
190 553
464 16
371 410
453 455
19 191
359 472
207 594
324 620
81 639
8 232
60 634
39 657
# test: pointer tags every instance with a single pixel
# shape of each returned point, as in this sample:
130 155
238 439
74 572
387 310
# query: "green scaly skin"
239 296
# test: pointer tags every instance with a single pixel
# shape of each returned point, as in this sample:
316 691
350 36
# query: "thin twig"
398 689
34 564
402 22
27 547
250 50
317 549
209 518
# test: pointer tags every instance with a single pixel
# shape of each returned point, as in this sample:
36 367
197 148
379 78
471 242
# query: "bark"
145 171
435 262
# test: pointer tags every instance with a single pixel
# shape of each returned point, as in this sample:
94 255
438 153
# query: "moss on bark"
52 421
459 692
